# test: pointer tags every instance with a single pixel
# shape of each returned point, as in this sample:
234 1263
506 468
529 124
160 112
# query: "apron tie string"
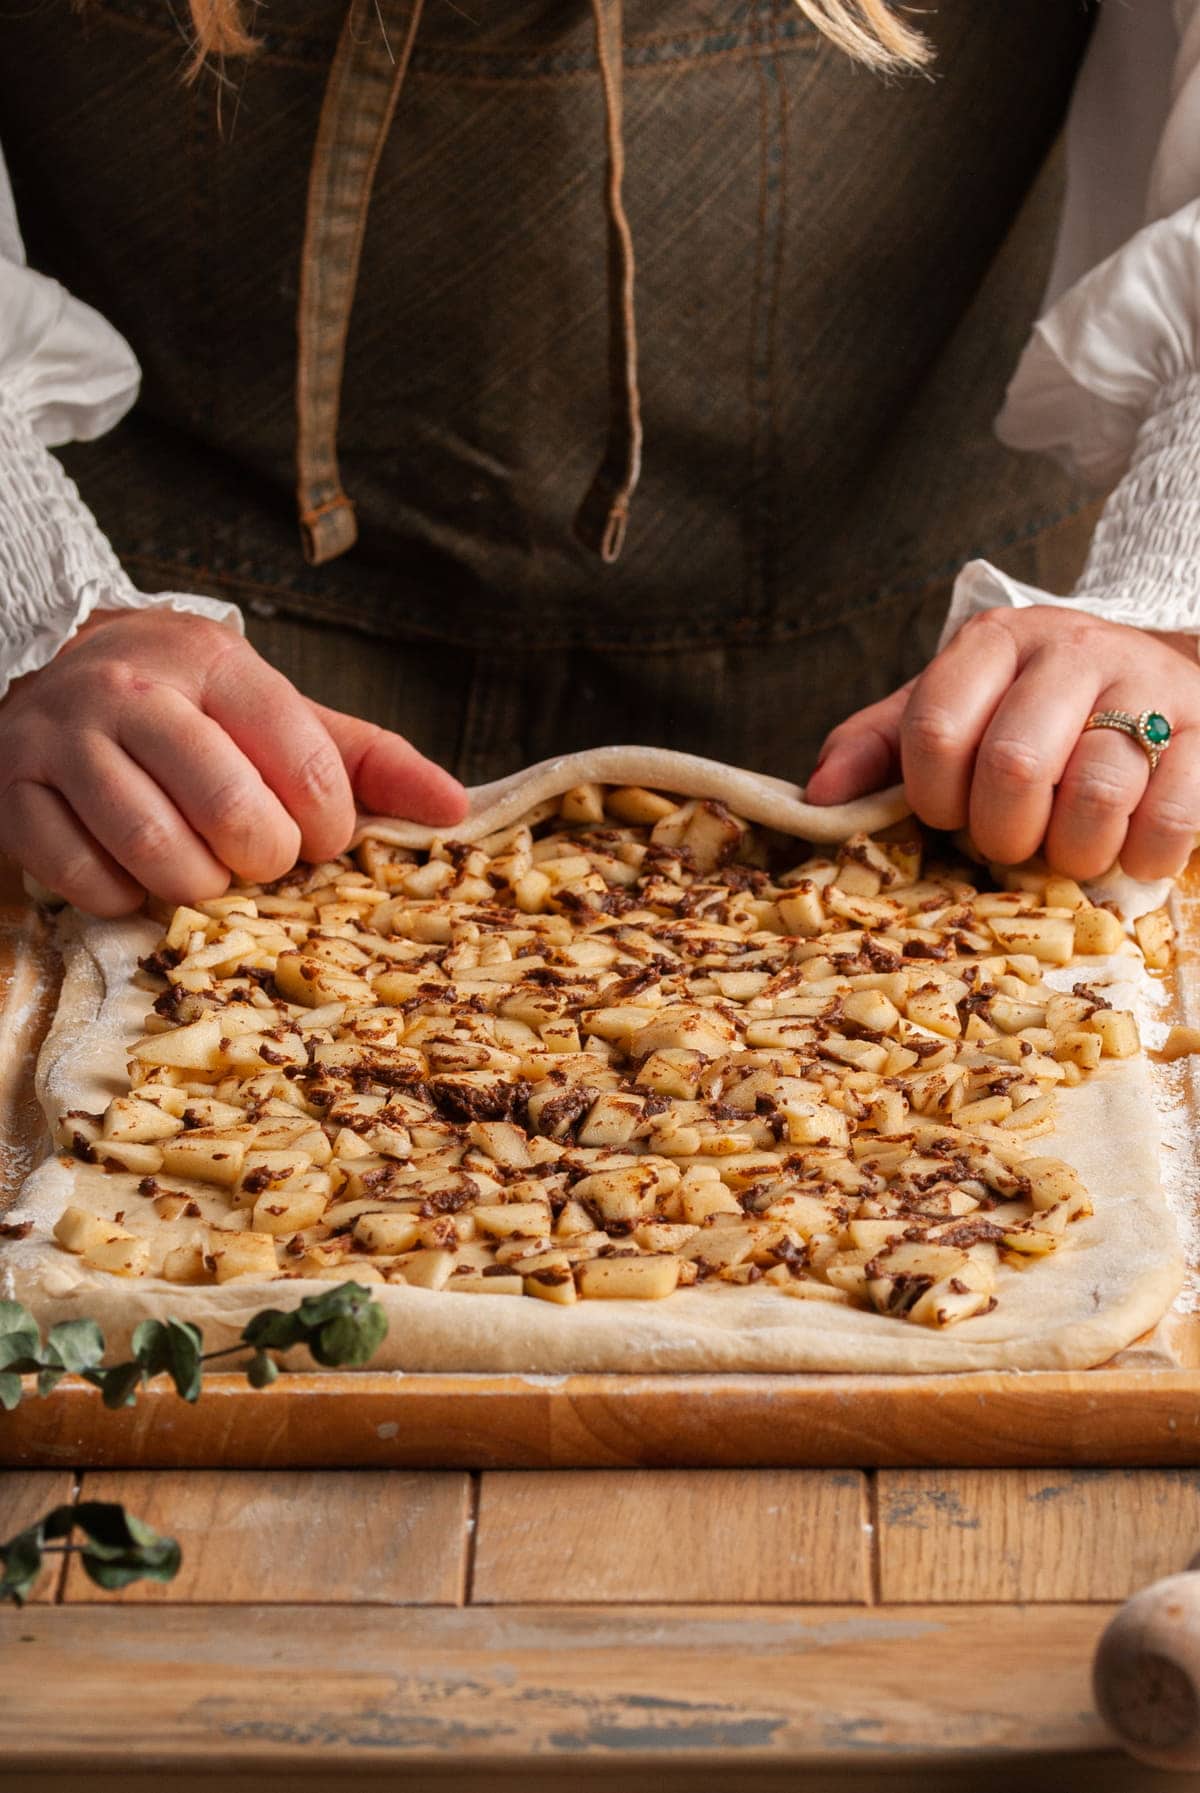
356 114
602 517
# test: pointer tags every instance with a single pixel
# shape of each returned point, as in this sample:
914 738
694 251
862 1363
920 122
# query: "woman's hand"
158 752
990 738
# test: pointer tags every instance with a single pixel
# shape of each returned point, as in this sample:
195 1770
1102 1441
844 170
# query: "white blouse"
1108 384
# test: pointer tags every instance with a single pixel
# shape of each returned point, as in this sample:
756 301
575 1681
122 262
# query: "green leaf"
10 1390
275 1330
262 1370
183 1344
345 1298
75 1345
119 1385
20 1338
351 1338
22 1559
149 1345
170 1347
15 1318
49 1379
122 1548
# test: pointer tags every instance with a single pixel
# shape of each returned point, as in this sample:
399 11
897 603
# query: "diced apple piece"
1098 931
871 1009
77 1230
1155 934
264 1170
931 1006
573 1220
288 1210
509 1220
1052 1181
244 1254
208 1157
553 1282
1118 1030
140 1161
1050 938
137 1122
612 1120
637 807
697 1200
501 1140
1179 1042
627 1193
801 911
1081 1047
954 1298
583 803
495 1280
722 1244
195 1047
120 1254
309 981
636 1279
186 1264
427 1269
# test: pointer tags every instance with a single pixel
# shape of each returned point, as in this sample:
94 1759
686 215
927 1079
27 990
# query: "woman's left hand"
990 737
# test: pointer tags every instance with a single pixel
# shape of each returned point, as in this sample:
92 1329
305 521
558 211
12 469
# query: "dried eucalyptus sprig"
119 1549
342 1325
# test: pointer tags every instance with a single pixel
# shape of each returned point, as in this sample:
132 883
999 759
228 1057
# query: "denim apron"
540 373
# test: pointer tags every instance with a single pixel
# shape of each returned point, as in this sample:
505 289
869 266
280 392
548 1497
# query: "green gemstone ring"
1150 730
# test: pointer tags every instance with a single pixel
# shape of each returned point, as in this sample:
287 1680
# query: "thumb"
389 777
861 754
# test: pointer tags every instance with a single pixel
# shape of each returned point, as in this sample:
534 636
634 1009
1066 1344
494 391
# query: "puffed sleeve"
65 375
1109 382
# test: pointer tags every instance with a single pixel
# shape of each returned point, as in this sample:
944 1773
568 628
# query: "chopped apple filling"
615 1052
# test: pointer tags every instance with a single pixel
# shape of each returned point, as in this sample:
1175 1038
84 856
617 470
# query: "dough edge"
1052 1317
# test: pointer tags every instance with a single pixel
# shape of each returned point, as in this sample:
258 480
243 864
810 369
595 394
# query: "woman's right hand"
159 752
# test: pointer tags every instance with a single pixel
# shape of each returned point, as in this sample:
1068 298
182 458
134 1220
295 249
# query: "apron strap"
356 114
604 513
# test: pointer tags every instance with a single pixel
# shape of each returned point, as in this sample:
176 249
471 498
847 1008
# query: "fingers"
1024 751
281 734
135 822
38 827
1165 825
1104 781
215 787
862 754
949 710
389 776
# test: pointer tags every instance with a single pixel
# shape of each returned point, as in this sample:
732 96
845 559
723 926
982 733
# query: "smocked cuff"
56 566
1144 562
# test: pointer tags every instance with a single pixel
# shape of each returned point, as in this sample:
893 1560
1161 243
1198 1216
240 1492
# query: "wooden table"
821 1629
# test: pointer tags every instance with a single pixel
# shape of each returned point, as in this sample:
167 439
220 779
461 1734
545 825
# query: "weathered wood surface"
369 1536
24 1499
672 1535
1020 1535
107 1689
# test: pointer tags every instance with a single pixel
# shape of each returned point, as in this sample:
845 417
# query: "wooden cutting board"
1144 1410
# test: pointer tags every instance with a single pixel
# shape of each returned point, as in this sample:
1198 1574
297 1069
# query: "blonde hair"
868 30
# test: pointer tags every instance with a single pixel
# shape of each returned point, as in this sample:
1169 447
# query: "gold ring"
1150 730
